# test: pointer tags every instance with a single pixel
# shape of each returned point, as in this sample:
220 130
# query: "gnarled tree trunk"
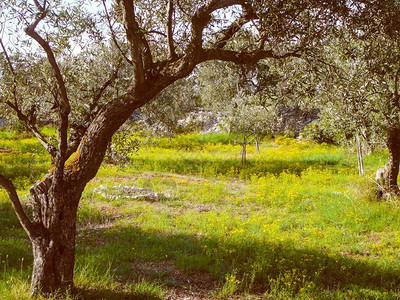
53 242
55 202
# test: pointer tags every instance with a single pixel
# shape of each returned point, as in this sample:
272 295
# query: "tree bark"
392 168
257 145
54 241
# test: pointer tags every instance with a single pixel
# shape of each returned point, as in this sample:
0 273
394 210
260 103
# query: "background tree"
358 80
379 37
160 42
245 97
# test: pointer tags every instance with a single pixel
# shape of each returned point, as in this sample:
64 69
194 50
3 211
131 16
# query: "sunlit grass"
223 160
297 222
23 160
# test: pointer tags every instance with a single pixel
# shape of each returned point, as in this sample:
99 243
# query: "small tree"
245 96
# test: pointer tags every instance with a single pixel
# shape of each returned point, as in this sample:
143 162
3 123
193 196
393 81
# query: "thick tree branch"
182 66
228 33
40 7
203 16
147 55
171 46
133 35
16 203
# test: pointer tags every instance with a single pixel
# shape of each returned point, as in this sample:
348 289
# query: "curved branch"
199 20
132 33
30 30
228 33
181 9
28 122
64 106
16 203
40 7
203 16
156 32
11 69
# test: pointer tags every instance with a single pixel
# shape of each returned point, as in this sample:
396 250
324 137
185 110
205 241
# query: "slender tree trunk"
54 243
369 147
392 168
257 145
359 156
244 154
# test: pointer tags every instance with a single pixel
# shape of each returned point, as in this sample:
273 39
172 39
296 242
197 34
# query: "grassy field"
297 222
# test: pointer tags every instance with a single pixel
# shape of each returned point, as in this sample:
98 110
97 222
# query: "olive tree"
358 80
244 96
377 32
155 43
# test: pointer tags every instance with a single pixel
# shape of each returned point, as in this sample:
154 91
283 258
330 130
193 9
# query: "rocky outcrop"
294 119
202 121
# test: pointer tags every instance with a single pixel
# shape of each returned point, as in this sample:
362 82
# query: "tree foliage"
357 72
175 103
245 96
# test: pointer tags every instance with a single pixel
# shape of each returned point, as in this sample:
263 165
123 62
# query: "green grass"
23 160
296 222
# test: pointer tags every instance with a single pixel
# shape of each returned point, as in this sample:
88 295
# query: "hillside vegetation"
296 222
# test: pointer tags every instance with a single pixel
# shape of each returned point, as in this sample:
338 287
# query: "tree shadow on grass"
96 294
178 261
233 167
